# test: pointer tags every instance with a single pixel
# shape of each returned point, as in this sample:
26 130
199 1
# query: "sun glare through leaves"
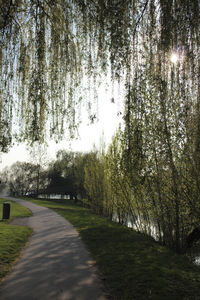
174 58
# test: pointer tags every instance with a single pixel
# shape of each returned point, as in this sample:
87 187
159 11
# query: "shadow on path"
55 265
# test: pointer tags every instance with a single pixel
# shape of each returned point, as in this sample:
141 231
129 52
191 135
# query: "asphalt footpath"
55 264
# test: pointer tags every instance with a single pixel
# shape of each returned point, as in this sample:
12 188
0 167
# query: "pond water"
193 253
138 223
53 196
197 261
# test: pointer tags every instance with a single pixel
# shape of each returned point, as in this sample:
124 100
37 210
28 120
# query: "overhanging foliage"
50 51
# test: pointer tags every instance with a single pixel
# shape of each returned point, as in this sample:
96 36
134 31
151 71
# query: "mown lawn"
132 265
12 238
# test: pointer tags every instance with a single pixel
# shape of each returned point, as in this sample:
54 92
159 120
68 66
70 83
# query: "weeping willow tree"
53 51
162 118
52 54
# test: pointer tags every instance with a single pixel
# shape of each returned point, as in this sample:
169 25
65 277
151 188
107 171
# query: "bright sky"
109 120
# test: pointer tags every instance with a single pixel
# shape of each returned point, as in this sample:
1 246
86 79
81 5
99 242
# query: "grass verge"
132 265
12 238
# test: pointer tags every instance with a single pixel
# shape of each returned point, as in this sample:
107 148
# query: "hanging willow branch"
50 49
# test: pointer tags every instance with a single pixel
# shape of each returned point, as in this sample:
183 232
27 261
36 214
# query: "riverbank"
131 265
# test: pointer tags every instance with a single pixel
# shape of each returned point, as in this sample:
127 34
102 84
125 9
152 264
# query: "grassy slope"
12 238
132 265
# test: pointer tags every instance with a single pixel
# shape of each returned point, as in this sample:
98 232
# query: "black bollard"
6 210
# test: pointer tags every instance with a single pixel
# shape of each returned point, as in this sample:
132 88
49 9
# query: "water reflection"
194 253
197 261
137 224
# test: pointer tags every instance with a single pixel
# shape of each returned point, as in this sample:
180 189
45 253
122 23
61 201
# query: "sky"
90 134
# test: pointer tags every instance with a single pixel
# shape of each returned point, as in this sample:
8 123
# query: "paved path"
55 265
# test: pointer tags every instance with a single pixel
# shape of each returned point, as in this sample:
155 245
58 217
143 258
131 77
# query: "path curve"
55 265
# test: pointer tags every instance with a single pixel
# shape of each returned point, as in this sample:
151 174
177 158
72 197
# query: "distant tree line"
23 178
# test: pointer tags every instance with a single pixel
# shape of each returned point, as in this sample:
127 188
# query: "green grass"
12 238
132 265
